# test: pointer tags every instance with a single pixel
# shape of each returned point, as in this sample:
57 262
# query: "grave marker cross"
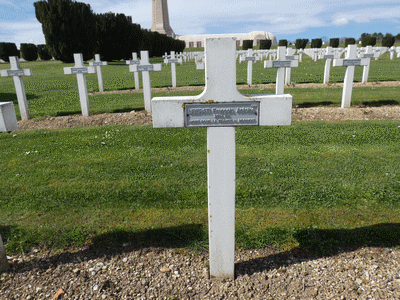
220 108
328 56
135 61
97 64
368 54
350 62
80 70
16 72
281 63
145 67
173 60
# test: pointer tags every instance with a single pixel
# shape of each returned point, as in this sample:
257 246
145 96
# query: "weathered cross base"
221 108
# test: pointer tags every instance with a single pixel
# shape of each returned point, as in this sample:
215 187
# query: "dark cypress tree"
316 43
388 40
29 52
43 53
283 43
265 44
7 50
334 43
68 27
247 44
349 41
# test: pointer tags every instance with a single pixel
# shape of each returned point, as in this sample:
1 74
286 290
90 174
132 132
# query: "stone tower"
161 18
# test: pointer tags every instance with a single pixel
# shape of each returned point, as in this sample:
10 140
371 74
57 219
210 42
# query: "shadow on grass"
127 109
119 242
68 113
381 103
12 97
319 243
314 104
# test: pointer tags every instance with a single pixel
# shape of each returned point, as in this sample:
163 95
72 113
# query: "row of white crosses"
221 108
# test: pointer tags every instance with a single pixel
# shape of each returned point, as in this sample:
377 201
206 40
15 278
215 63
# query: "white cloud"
341 22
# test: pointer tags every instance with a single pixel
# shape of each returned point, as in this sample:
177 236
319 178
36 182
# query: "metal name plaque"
281 64
15 72
250 58
145 68
329 56
98 63
352 62
134 62
173 61
226 114
368 55
79 70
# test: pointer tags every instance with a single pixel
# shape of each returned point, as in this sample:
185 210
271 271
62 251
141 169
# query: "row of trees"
29 52
366 39
71 27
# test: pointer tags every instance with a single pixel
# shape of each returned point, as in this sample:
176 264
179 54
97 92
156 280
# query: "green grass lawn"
295 186
310 185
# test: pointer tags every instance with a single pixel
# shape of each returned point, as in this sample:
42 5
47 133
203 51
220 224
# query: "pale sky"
286 19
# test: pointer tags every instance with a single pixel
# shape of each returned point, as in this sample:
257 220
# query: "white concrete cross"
80 70
300 52
16 73
220 108
145 67
8 119
135 61
97 64
328 56
173 60
250 58
290 56
368 54
350 62
392 50
281 63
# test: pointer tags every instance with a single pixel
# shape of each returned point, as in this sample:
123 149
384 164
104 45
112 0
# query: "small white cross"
368 54
290 56
135 61
250 58
328 56
145 67
350 62
16 73
220 108
173 60
80 70
97 64
281 63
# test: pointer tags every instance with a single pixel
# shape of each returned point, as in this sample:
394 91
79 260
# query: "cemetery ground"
121 211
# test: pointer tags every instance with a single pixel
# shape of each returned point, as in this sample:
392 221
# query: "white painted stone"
80 70
135 61
350 61
173 60
97 64
281 63
218 98
16 72
3 258
145 67
8 119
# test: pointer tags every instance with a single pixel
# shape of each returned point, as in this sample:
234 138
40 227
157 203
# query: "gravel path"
162 273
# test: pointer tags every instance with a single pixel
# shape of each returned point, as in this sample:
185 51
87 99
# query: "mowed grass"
311 185
50 92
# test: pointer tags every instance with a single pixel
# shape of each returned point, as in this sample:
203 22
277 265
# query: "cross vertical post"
16 72
80 70
368 54
173 60
145 67
221 108
97 64
135 61
328 56
290 56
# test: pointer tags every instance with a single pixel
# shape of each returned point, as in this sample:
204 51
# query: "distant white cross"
350 62
328 56
97 64
220 108
281 63
290 56
135 61
173 60
17 73
80 70
250 58
145 67
368 54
